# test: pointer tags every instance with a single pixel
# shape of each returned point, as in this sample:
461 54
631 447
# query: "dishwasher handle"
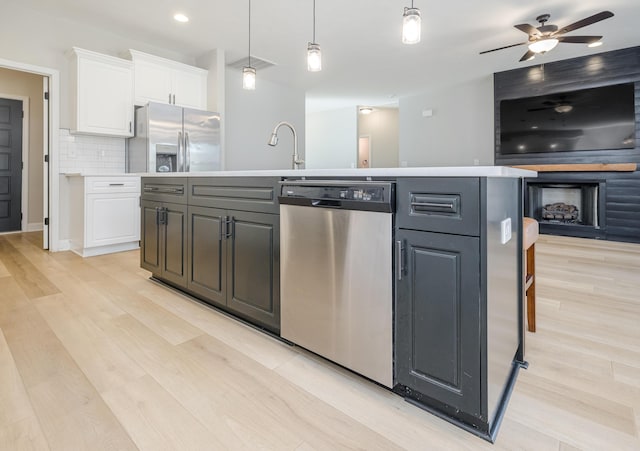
326 203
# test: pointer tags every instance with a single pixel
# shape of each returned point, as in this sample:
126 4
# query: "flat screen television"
601 118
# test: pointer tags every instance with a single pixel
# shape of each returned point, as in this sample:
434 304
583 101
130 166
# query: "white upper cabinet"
101 94
161 80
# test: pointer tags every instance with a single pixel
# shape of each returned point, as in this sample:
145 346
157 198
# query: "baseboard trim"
35 227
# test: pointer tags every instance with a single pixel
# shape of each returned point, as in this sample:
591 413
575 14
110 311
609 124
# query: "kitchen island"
455 269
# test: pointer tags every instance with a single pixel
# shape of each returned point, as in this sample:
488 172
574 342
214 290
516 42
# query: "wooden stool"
530 232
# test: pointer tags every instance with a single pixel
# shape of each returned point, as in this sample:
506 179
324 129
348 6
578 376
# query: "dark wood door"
150 236
10 165
174 244
207 253
438 318
253 254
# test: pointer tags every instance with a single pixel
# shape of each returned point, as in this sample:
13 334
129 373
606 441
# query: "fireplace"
571 208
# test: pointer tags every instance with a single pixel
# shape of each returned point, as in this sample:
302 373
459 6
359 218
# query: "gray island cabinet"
457 270
217 239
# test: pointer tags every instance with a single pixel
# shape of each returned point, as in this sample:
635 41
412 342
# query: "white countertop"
82 174
459 171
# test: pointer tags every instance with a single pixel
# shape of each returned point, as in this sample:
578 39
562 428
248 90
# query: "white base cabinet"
104 214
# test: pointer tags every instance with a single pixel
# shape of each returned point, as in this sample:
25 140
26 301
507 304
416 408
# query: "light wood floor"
94 356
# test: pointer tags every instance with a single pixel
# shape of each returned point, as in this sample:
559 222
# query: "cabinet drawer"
447 205
165 189
97 185
257 194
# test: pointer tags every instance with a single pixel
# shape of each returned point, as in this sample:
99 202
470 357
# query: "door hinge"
46 221
46 96
46 158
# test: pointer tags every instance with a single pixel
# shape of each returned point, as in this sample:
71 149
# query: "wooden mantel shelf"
588 167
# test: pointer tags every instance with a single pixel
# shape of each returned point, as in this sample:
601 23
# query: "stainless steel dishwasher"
336 272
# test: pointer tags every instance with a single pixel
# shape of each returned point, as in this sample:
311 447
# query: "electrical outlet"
505 230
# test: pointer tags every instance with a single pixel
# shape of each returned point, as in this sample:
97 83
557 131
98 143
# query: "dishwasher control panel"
352 195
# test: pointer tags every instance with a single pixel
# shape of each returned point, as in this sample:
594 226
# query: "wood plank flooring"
95 356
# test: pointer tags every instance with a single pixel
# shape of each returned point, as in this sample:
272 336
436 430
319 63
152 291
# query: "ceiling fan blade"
528 56
505 47
529 29
579 39
584 22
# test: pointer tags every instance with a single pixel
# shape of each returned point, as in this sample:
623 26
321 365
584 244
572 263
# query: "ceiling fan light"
595 44
543 45
411 23
314 57
366 110
563 108
248 78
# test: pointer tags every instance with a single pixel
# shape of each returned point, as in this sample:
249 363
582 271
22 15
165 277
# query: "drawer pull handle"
433 205
156 189
116 184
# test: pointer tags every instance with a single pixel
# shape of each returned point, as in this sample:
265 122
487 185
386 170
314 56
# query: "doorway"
10 165
43 188
364 152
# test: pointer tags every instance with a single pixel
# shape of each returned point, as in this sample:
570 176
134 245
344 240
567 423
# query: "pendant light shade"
314 58
248 72
248 78
411 24
314 54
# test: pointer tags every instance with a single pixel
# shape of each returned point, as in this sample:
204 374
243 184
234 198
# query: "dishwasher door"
337 286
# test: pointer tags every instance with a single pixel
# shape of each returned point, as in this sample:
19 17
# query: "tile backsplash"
91 154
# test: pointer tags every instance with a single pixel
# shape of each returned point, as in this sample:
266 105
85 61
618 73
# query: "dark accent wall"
608 68
621 221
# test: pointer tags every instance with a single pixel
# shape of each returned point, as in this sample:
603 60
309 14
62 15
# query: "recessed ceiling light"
595 44
181 17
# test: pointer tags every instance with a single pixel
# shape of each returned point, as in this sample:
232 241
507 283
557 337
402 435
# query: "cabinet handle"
228 227
116 184
169 98
158 216
448 205
174 99
399 259
129 126
165 216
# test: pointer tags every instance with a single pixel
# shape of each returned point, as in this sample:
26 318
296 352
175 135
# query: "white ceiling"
363 59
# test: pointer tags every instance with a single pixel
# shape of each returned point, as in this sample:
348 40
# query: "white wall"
28 36
382 126
250 119
332 139
460 130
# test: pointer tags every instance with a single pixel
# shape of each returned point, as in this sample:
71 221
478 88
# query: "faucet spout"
273 141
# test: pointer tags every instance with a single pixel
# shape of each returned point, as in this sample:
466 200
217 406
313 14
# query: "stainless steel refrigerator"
170 138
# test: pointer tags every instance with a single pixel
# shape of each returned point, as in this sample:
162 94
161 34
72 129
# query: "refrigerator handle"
187 153
180 156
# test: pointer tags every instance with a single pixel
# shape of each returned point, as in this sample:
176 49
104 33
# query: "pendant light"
411 25
248 72
314 55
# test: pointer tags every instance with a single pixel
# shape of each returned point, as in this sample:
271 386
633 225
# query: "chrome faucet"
273 141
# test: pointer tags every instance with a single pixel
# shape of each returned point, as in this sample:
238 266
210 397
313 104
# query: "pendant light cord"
314 21
250 33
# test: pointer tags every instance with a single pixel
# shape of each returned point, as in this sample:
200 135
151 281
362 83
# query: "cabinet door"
112 219
254 267
437 318
206 253
152 82
174 244
104 97
190 88
150 236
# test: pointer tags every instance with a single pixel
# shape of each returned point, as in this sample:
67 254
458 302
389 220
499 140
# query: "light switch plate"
505 230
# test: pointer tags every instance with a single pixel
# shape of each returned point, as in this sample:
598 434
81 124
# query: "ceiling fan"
545 37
